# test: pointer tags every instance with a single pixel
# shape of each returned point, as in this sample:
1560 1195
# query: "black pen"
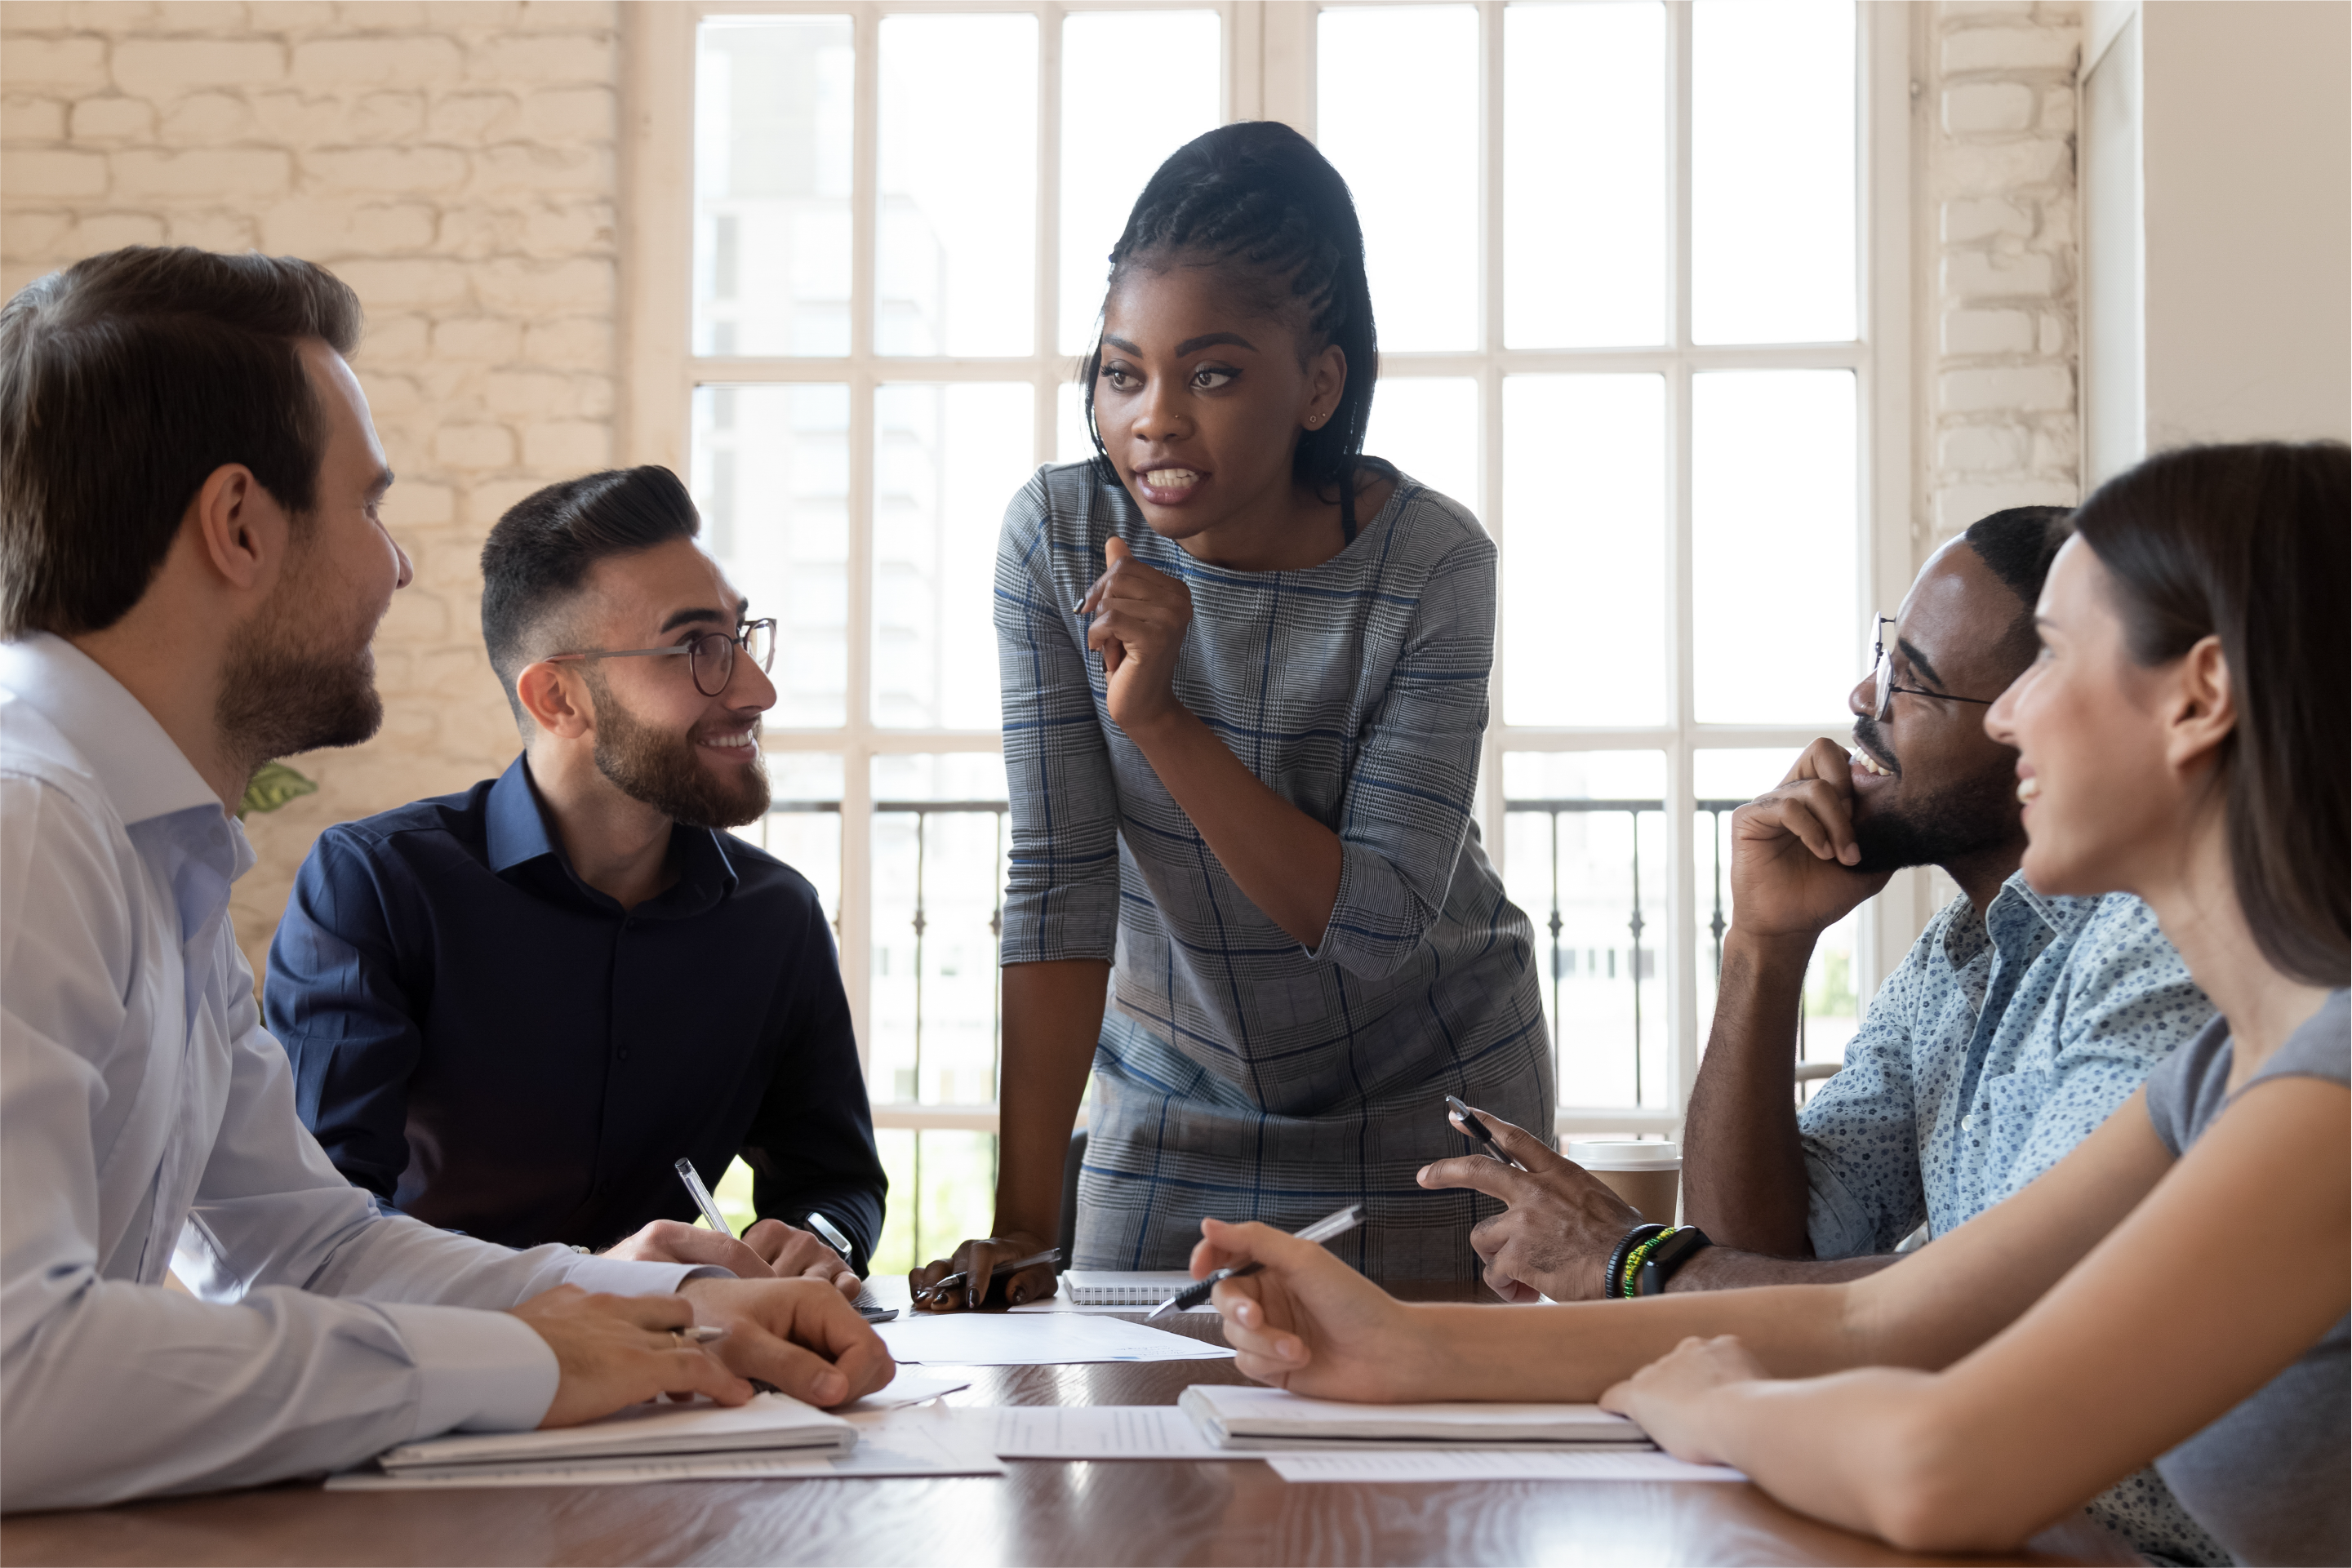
1337 1223
1470 1124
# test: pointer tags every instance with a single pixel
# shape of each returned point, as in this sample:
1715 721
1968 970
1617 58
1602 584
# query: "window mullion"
1048 337
1682 1005
856 767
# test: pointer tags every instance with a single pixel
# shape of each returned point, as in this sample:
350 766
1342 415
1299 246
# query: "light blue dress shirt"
144 1107
1993 1049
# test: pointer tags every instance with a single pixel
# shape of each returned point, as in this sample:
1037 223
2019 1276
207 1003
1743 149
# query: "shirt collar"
516 830
143 772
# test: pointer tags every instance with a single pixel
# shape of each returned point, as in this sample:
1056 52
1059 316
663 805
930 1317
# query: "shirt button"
623 1052
1968 1122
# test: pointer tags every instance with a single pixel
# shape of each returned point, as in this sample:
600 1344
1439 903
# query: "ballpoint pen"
945 1284
1473 1123
709 1207
1335 1224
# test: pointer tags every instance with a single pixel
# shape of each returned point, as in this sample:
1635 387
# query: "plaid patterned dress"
1238 1074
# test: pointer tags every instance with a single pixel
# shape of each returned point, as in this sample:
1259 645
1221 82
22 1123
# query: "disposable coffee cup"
1645 1173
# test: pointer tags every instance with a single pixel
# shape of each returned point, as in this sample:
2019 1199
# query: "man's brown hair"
125 380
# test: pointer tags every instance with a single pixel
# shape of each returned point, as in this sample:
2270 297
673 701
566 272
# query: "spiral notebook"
1099 1287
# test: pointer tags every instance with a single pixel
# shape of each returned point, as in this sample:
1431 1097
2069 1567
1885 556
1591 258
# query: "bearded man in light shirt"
192 566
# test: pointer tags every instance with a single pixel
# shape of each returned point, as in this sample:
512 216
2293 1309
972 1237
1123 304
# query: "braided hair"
1256 200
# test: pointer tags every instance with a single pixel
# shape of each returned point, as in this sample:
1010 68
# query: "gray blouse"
1238 1074
2270 1478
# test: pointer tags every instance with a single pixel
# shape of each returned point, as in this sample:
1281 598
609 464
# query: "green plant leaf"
271 786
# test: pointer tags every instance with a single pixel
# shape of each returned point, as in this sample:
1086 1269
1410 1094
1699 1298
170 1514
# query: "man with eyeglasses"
2017 1023
512 1011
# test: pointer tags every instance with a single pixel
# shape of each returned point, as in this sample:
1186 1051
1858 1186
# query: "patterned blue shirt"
1239 1073
1995 1048
1993 1051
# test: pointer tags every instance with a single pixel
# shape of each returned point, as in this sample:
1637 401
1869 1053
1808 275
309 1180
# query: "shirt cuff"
479 1371
622 1277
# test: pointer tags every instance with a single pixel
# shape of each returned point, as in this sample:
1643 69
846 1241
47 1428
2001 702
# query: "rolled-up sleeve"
1061 895
1410 794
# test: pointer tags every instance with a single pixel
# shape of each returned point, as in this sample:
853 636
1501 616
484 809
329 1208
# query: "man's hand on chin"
799 1334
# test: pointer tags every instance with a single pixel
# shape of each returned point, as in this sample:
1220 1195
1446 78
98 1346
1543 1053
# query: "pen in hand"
1470 1122
1337 1223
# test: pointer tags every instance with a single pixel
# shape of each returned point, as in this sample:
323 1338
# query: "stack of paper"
767 1422
924 1440
1102 1288
1001 1339
1236 1416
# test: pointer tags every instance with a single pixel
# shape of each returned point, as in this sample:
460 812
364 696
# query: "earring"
1313 420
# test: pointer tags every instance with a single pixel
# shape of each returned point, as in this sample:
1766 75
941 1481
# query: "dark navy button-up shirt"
490 1044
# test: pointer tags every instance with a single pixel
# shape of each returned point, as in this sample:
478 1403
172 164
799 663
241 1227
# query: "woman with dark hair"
2172 1290
1244 672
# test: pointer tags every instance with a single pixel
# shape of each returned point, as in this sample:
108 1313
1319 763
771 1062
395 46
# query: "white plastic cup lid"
1626 1155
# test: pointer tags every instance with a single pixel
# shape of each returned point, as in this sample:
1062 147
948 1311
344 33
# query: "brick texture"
2001 386
454 163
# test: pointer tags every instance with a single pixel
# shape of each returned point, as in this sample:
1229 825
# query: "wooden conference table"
1041 1511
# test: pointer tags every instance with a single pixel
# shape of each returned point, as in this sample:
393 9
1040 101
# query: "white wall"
2244 161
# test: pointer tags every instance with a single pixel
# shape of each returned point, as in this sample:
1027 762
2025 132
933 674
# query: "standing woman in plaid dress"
1245 673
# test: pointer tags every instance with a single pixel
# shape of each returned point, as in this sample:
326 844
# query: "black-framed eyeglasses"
1883 671
710 655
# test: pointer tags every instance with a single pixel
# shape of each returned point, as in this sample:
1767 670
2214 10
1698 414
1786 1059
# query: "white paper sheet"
1092 1432
1042 1339
922 1441
1062 1304
912 1385
1462 1465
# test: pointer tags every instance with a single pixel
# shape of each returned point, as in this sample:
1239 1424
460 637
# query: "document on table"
1242 1417
906 1441
1057 1303
1488 1465
1092 1432
1042 1339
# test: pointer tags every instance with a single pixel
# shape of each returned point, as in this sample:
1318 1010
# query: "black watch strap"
1666 1257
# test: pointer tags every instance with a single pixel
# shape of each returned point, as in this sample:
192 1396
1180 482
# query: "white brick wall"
2002 404
455 163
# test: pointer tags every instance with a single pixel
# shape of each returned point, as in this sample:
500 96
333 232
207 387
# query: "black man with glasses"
2015 1025
512 1010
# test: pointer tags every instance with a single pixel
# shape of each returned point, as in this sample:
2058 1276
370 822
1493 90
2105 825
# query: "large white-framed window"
1641 272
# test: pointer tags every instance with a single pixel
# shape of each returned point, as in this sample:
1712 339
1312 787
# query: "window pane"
771 475
1772 170
1584 562
939 875
1592 877
1396 111
957 240
946 461
1584 175
1428 427
942 1189
1113 136
1071 442
1830 1010
1776 607
771 135
802 827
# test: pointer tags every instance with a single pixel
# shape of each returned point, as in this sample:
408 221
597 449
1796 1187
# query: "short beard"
663 771
1966 818
284 690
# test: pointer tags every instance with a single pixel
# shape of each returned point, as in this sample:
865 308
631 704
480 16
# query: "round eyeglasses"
710 655
1882 668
